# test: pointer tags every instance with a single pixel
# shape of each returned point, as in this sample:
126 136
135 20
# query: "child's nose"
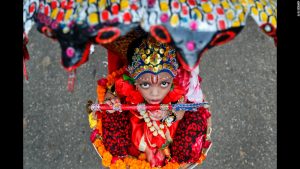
154 92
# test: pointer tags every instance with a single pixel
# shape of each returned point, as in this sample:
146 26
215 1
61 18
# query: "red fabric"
139 128
113 62
184 77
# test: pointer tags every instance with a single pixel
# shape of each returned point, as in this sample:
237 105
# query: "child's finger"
110 111
117 100
108 102
113 101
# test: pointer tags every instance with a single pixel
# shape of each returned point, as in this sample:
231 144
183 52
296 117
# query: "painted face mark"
154 79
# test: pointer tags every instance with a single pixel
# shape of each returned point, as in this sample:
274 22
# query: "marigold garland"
120 164
201 159
107 157
101 149
142 156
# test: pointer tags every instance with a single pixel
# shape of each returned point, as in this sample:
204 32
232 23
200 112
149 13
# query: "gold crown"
153 57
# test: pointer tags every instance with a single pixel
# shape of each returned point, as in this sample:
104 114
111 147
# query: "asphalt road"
239 81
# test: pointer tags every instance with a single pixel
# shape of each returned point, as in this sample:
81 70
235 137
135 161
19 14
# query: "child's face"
154 88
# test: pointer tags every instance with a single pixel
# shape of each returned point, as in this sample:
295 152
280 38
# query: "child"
152 78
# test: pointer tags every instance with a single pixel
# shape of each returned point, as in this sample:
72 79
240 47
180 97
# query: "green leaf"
130 79
172 87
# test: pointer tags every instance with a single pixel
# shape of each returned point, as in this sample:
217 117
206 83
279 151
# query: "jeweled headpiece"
153 57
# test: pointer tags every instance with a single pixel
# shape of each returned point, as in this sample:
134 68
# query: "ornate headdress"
153 57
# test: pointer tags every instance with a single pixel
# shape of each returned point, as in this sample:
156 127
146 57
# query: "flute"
145 107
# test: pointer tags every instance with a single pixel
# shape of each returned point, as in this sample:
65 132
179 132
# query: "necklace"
152 125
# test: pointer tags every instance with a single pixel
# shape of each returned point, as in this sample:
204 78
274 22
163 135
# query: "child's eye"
145 85
164 84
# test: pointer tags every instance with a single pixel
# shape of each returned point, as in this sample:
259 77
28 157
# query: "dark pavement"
239 81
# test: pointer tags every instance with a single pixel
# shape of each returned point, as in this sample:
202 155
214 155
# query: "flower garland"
107 83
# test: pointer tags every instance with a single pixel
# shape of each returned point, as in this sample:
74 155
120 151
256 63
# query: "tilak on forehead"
153 57
154 78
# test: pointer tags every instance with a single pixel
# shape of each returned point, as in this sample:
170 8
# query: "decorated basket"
109 161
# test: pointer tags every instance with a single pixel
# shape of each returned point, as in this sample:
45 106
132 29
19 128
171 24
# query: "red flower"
204 113
102 82
192 127
114 159
207 143
94 135
134 97
188 139
192 133
123 86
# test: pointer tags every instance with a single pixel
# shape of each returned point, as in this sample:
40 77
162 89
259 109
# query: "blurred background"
239 82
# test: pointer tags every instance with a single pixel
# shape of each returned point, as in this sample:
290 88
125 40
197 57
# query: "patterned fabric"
192 26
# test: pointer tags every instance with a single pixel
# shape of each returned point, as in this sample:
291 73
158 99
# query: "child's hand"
111 99
155 157
157 114
180 114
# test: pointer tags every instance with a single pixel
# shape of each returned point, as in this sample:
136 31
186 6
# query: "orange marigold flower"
113 166
201 159
120 164
106 161
101 89
101 149
171 165
97 143
142 156
101 93
99 126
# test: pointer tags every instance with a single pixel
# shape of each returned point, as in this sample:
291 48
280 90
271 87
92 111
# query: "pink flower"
94 135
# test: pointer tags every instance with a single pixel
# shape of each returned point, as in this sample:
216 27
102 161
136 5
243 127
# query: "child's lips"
156 101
